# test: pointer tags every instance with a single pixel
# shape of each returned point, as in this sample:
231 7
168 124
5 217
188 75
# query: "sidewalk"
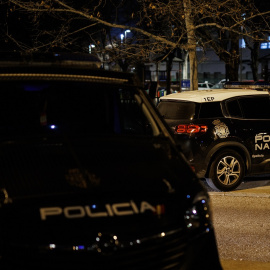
247 189
245 265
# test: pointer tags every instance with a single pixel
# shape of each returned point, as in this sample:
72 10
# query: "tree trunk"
254 60
191 45
235 58
232 59
140 70
169 61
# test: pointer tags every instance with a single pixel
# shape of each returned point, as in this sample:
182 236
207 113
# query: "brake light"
190 129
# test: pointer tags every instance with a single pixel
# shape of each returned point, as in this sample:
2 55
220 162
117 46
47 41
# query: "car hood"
69 192
41 166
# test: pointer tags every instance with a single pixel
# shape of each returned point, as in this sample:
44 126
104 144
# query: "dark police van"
224 133
79 183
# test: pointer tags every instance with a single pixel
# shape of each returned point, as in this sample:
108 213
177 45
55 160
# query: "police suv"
79 183
224 133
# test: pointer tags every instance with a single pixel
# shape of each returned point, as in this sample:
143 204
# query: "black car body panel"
228 122
73 205
91 177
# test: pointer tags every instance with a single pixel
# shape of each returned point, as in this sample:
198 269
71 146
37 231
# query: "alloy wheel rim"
228 170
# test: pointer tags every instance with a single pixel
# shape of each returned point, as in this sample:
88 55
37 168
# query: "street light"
91 46
242 44
127 31
122 36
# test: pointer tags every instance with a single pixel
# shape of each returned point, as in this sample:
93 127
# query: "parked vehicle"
224 133
91 176
205 85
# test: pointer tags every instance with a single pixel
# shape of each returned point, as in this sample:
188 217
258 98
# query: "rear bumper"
195 156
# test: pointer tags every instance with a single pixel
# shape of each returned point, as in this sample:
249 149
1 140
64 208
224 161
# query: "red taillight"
190 129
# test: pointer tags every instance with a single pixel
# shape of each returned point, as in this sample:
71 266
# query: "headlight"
199 214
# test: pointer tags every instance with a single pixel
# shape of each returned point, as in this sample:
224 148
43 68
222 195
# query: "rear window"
69 107
189 110
177 110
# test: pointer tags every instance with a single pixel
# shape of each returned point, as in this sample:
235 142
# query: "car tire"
226 171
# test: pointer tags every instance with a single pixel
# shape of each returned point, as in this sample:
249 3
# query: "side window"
133 121
255 107
233 108
210 110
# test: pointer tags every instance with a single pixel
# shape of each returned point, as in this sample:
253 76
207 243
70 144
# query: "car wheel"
226 171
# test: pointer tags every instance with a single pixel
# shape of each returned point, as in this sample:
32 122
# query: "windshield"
68 108
61 137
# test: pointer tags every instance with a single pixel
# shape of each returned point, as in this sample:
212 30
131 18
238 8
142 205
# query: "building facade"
210 67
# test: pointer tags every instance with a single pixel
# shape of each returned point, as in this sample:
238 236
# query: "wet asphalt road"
242 224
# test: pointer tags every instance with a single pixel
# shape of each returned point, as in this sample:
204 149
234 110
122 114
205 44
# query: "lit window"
265 45
242 43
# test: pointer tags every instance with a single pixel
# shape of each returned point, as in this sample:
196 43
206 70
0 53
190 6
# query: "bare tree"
158 27
212 23
191 43
241 20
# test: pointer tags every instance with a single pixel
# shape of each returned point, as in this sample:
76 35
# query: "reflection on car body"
91 177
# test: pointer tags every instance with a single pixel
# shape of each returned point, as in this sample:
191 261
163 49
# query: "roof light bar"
55 77
247 85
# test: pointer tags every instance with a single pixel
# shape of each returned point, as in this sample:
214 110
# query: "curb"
244 194
247 265
262 192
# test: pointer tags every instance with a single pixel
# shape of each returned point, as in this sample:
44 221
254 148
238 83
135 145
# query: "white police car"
205 85
224 133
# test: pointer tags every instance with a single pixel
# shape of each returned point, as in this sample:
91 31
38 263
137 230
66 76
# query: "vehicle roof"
49 59
60 66
201 96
